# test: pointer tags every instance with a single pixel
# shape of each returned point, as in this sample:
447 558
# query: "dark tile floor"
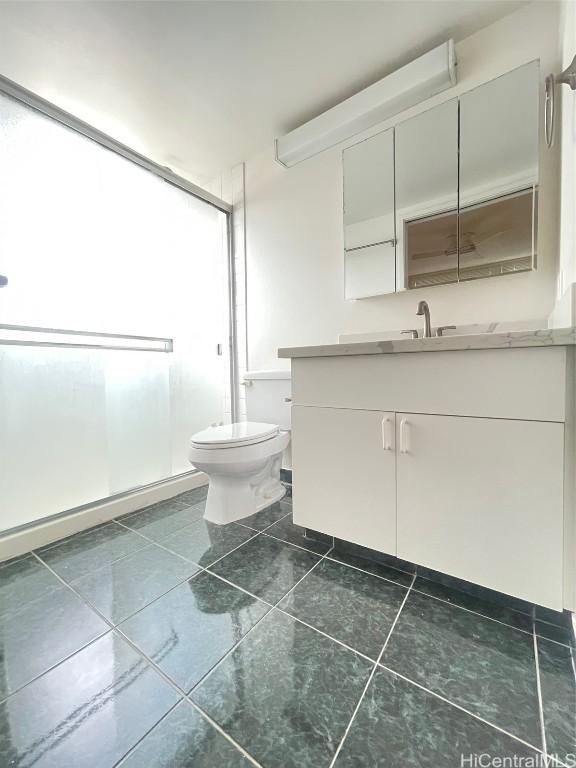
162 640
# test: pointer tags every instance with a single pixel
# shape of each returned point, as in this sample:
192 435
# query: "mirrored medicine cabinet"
447 196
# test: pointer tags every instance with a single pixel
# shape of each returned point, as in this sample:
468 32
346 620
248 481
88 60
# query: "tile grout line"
187 695
276 607
324 634
79 534
539 690
376 663
127 754
56 664
447 602
219 728
104 524
183 697
153 600
158 543
139 652
268 613
549 623
460 707
273 607
370 676
256 534
291 543
370 573
261 530
236 586
145 544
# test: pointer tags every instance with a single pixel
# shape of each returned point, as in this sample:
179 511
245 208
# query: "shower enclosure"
115 327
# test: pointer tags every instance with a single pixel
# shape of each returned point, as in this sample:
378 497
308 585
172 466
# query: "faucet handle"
413 331
441 328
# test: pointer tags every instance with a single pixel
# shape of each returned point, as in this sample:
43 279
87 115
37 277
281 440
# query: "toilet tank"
268 396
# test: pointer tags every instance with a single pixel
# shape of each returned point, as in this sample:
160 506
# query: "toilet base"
233 498
241 480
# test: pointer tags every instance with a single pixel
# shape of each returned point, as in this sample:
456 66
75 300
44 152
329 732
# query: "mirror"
369 238
449 195
427 198
499 175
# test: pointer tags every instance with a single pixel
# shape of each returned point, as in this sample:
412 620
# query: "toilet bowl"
243 463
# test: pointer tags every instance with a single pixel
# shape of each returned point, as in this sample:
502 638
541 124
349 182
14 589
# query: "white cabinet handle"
404 436
387 433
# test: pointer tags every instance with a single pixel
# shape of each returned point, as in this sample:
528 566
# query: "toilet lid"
231 435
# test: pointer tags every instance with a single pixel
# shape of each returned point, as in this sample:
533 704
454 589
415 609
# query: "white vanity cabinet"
455 461
482 499
346 460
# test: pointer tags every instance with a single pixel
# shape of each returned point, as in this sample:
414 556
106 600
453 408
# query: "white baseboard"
38 535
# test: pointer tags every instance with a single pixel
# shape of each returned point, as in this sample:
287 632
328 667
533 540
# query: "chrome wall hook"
567 77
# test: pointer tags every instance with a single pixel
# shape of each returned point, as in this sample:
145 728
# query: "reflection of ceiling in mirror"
495 237
423 175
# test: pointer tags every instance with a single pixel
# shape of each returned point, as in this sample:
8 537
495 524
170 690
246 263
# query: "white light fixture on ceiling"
425 76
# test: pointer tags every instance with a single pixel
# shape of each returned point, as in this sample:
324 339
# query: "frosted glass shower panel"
92 242
53 442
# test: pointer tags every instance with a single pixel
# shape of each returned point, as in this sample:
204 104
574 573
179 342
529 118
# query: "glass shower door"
92 243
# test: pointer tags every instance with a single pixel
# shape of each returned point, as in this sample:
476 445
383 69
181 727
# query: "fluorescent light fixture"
425 76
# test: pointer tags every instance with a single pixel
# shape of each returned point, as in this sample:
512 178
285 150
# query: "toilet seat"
234 435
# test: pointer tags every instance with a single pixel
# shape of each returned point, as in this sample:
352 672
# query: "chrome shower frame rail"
10 88
19 93
163 344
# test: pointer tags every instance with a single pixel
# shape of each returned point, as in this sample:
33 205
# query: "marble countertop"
550 337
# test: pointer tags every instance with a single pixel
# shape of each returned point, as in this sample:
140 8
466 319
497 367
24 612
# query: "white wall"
294 226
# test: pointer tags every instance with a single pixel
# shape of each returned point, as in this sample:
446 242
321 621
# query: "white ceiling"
200 86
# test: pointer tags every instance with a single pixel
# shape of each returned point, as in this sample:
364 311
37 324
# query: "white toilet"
243 460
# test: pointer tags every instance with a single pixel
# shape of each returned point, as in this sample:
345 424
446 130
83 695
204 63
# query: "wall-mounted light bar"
427 75
29 336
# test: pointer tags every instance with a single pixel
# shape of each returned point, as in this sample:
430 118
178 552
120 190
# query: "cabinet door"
482 500
344 474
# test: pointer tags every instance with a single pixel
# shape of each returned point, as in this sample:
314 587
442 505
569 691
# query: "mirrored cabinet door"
499 175
427 198
369 236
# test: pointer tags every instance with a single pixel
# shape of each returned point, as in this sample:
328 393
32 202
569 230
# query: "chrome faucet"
424 309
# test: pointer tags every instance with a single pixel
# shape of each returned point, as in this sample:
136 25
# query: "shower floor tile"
185 739
160 520
22 581
265 567
354 607
484 666
86 712
286 694
120 589
79 555
149 658
204 542
267 517
187 631
400 725
44 632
